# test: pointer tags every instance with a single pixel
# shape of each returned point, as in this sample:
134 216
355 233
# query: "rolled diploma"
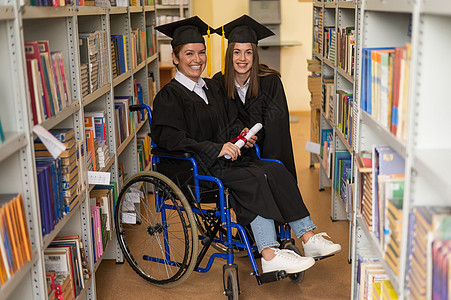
253 131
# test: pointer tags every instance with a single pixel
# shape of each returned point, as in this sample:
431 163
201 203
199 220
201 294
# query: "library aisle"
327 279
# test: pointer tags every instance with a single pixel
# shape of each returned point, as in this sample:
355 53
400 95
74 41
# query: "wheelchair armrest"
176 154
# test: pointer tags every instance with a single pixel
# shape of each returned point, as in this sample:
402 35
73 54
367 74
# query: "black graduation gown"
269 108
182 121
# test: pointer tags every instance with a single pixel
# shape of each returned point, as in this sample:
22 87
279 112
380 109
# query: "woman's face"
242 58
191 61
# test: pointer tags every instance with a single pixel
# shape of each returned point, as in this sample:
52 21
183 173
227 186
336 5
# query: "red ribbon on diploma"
240 137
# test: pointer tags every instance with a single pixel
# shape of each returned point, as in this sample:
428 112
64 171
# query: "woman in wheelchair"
255 89
192 114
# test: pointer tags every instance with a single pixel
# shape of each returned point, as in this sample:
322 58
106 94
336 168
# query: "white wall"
296 26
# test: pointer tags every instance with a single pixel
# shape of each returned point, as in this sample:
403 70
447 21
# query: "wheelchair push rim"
156 229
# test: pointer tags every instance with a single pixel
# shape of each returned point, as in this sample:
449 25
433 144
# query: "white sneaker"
317 245
287 260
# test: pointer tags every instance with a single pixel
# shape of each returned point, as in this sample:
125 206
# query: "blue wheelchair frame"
223 213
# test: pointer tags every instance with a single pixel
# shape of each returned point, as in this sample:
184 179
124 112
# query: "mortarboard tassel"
208 53
222 52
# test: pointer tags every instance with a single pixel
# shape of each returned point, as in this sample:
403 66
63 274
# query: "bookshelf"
422 146
61 26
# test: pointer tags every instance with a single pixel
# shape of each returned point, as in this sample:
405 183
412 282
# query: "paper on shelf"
312 147
52 144
98 177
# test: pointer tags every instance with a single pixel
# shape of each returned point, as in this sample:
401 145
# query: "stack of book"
57 179
93 52
383 290
314 81
47 80
84 80
66 266
364 163
328 102
318 32
15 246
103 154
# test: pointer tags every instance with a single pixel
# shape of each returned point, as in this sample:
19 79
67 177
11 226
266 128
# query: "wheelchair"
162 216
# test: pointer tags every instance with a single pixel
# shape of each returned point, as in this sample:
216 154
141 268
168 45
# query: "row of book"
102 202
67 269
346 49
429 232
139 44
385 84
318 31
330 42
15 245
58 179
96 140
151 40
119 54
372 279
343 180
143 148
381 193
326 153
344 115
48 82
93 61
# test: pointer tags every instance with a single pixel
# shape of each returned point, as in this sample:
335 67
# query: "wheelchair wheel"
231 280
156 229
298 277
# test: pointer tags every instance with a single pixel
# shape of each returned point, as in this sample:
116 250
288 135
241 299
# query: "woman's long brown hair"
229 73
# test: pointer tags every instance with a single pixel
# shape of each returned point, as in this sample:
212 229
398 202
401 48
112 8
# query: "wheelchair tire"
160 243
297 277
232 292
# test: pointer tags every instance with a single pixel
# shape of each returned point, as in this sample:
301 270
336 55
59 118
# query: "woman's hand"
230 149
250 142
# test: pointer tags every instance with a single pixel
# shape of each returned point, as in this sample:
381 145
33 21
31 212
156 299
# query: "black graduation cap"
244 30
185 31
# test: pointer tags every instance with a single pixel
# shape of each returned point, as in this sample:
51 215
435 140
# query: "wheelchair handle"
138 107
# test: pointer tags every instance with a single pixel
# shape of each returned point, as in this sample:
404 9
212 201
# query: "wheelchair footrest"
271 276
322 257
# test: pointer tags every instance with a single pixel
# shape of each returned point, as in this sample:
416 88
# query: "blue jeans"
264 231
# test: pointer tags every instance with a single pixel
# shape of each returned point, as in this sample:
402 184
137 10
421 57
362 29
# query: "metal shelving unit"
59 25
426 152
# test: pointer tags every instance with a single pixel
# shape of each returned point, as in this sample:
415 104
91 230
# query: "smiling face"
242 58
191 60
